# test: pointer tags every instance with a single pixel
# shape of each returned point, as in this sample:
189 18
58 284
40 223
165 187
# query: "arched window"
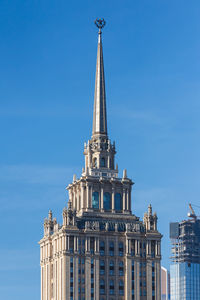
102 267
121 268
95 200
102 287
121 287
121 249
118 201
106 201
111 249
111 287
102 248
103 162
111 268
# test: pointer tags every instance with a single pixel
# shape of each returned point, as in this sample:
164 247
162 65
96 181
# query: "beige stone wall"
55 266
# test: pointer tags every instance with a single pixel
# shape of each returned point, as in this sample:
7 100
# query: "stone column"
88 244
101 198
113 198
106 264
137 247
91 191
64 291
116 269
156 248
42 283
157 280
67 242
149 279
87 278
48 278
82 196
78 198
124 199
137 280
159 248
87 196
60 278
129 199
97 244
129 246
96 278
67 270
70 195
74 198
108 162
128 279
75 278
89 157
75 243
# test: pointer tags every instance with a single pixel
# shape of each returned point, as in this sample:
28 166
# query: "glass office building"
185 260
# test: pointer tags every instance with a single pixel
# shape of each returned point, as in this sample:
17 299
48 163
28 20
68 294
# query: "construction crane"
192 213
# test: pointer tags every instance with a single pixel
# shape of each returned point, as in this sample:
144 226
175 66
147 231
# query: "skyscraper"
101 251
165 284
185 260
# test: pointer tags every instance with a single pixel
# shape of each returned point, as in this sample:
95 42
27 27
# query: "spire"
99 114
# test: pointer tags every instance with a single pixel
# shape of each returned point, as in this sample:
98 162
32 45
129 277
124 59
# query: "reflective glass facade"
185 281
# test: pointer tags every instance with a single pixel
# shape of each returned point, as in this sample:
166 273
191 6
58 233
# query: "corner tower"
101 250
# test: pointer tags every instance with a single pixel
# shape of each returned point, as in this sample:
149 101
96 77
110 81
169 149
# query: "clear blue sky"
47 70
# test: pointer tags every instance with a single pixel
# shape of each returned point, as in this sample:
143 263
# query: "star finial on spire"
100 23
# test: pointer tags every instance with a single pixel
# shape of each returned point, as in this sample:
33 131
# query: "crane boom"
191 215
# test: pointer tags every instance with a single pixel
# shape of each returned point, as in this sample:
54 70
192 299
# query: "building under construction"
185 258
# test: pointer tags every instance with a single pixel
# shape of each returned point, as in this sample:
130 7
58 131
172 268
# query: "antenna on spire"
100 23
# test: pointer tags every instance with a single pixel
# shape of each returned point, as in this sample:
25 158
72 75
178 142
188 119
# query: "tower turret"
99 188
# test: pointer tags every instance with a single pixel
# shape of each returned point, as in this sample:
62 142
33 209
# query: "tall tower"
185 259
101 251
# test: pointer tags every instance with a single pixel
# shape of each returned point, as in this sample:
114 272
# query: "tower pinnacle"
99 114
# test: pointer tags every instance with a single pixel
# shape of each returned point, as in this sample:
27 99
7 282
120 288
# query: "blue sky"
47 69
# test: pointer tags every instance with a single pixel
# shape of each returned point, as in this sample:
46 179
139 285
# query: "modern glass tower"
101 251
185 266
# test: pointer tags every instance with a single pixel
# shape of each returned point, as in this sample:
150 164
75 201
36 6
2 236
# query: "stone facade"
101 251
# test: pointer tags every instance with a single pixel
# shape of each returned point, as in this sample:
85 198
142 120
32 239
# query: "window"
102 267
106 201
95 200
118 202
102 248
121 249
71 244
103 162
111 287
153 246
121 268
92 245
132 247
111 249
83 246
95 163
121 287
102 287
111 268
